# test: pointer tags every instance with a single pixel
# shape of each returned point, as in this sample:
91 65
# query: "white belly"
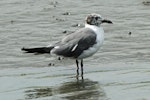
99 41
89 52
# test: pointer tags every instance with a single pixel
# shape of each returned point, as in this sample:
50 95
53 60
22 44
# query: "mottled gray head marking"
96 19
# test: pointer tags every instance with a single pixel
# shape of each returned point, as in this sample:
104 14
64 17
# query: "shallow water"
119 71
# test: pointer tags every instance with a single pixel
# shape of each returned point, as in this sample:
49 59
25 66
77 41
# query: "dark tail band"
38 50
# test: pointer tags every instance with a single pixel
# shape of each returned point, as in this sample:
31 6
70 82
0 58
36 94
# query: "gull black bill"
106 21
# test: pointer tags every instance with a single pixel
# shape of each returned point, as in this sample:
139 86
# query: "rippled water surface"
119 71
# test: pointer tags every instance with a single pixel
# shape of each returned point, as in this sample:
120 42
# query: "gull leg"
77 67
82 68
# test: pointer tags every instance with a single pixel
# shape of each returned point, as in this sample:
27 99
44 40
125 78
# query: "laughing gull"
81 44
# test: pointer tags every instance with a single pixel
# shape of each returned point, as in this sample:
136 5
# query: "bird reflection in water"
73 90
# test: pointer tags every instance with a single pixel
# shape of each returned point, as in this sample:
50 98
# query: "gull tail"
38 50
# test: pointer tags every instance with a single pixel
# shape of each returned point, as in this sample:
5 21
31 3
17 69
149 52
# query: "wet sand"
120 70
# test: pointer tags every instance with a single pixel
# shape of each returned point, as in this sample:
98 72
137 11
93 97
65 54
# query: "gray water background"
120 70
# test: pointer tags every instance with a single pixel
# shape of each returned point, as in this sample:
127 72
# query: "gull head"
96 19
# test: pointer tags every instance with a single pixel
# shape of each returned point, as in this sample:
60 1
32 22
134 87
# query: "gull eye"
96 18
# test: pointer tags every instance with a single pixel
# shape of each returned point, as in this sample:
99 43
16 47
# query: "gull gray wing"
74 44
